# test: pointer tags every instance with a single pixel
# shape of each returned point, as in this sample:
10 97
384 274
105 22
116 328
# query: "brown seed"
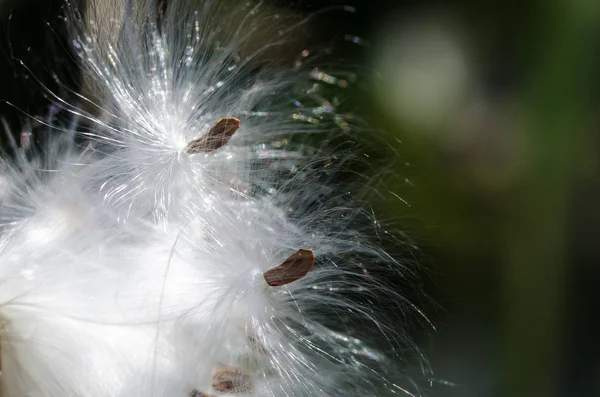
231 380
293 268
198 393
218 135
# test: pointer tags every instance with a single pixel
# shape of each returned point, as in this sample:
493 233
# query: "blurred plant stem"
535 228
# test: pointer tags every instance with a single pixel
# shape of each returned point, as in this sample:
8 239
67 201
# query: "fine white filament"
187 236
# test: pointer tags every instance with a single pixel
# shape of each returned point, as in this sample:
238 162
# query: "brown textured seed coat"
293 268
215 138
231 380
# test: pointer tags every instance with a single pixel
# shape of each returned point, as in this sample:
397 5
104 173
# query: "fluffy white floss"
188 237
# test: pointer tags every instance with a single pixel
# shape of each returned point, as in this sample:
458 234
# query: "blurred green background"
490 110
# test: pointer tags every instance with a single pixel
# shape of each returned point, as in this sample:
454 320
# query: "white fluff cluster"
161 249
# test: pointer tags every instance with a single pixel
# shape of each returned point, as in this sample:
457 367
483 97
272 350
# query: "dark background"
492 109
